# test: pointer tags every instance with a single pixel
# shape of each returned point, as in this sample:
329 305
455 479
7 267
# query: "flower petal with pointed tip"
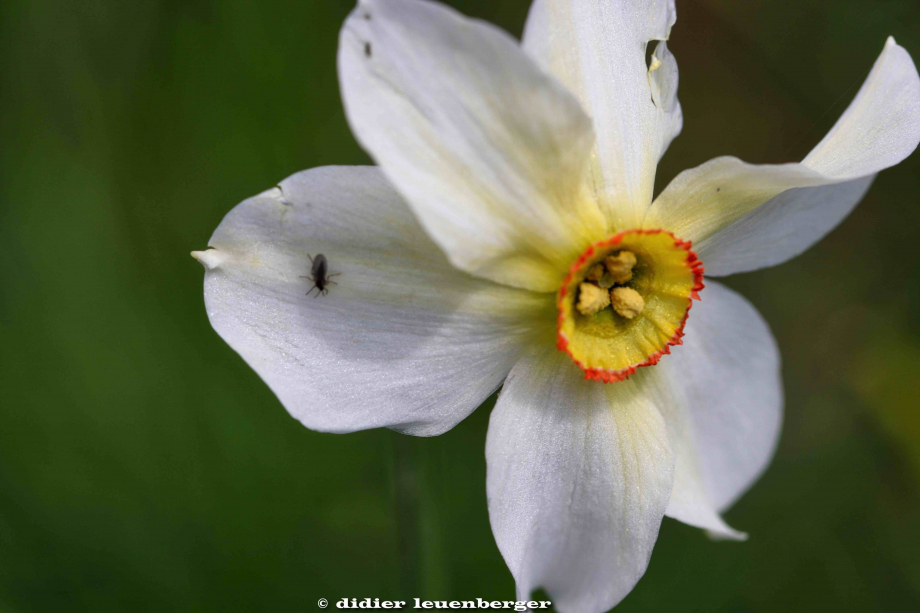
742 216
727 405
597 49
403 340
488 151
579 475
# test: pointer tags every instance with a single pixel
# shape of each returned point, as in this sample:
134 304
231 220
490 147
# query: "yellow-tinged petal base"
649 310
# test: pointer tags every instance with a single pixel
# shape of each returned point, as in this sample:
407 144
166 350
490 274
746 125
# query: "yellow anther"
626 302
591 299
620 266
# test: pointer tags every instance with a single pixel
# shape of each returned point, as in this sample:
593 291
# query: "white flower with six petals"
507 174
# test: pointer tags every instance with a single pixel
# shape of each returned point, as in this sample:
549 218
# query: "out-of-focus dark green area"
143 466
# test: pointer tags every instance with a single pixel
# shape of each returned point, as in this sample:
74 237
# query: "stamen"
626 301
591 299
620 266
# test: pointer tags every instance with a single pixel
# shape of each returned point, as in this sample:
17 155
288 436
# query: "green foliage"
143 466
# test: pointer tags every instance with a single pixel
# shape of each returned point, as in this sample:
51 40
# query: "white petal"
781 228
741 216
690 500
881 126
728 405
403 340
579 474
488 151
597 49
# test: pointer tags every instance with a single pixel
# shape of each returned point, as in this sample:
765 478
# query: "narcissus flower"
508 237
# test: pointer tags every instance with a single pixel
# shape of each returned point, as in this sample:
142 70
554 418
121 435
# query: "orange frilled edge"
694 265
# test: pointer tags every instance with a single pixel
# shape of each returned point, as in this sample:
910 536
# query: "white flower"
506 177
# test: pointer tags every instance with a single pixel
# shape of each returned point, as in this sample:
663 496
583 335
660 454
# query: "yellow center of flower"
625 301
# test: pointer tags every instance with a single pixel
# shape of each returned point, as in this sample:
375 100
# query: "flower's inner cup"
625 302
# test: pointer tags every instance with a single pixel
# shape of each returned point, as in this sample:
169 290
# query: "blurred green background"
143 466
